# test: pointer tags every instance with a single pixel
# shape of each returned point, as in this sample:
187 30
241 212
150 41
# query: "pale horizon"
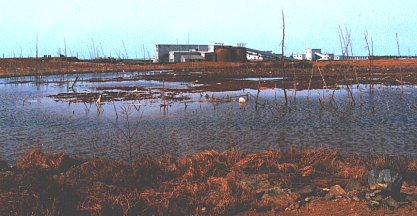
142 24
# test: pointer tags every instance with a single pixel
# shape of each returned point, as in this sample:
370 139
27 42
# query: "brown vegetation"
205 183
31 66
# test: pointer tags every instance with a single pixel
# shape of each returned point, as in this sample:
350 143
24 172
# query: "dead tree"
399 55
126 56
398 44
37 68
282 56
370 53
345 44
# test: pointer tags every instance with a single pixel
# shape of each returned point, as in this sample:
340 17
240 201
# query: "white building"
310 54
325 56
299 56
316 54
258 55
339 57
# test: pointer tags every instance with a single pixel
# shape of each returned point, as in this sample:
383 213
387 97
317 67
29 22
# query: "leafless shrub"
129 130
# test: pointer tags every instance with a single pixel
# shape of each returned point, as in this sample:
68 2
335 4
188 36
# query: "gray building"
192 58
162 54
176 56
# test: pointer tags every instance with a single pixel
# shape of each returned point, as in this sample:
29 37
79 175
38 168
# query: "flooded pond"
54 113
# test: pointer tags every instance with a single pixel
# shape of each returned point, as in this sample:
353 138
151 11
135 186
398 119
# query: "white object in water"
242 100
98 102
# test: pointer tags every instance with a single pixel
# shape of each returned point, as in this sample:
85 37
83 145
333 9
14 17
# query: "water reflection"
384 121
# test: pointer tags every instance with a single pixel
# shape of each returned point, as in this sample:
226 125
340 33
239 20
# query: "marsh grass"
207 182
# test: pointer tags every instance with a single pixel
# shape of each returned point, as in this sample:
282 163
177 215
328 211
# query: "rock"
308 190
386 180
277 198
354 195
411 198
335 191
308 199
356 199
378 197
372 195
354 184
375 193
256 183
391 202
293 206
373 205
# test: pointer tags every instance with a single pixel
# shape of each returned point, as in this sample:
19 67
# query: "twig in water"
115 110
73 84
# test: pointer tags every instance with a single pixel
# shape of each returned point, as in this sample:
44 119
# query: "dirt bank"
391 71
10 67
290 182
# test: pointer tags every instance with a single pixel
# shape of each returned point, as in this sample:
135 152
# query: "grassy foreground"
291 182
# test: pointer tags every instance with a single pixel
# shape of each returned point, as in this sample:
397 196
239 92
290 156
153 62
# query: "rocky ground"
274 182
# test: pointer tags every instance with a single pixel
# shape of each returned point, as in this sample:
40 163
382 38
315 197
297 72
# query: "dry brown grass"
205 183
38 159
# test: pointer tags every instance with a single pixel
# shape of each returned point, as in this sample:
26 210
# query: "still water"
385 121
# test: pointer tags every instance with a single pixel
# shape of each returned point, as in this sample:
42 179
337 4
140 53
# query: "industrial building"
166 52
257 55
317 55
339 57
171 53
177 56
229 53
311 54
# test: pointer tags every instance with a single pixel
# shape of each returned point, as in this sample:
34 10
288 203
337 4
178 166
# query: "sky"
138 25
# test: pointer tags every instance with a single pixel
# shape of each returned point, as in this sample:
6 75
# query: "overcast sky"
138 23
